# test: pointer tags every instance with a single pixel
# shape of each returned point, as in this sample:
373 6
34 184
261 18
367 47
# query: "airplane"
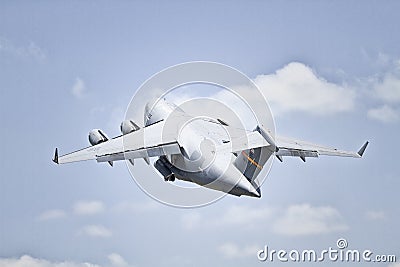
205 151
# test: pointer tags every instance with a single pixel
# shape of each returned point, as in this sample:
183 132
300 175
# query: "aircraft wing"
243 140
146 142
247 141
297 148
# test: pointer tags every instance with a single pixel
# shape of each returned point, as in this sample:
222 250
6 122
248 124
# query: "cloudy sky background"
330 71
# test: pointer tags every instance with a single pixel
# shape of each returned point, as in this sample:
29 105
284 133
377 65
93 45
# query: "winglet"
362 149
55 159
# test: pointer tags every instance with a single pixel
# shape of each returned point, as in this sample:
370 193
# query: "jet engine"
128 126
96 137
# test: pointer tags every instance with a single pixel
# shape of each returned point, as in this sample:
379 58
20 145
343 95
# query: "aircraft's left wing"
146 142
303 149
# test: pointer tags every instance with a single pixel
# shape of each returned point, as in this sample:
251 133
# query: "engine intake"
96 136
128 126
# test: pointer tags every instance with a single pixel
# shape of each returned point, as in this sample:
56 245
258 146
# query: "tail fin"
250 162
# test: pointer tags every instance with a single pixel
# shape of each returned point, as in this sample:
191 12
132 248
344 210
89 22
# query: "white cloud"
88 207
52 214
293 88
35 51
96 231
27 51
117 260
28 261
389 88
296 87
234 216
136 207
378 60
375 215
191 220
383 59
79 89
385 87
242 215
233 251
307 220
294 220
384 114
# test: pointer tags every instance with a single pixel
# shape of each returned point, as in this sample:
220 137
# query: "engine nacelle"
128 126
96 137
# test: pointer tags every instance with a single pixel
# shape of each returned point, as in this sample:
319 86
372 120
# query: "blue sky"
69 67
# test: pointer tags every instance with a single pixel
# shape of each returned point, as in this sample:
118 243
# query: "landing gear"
162 166
169 178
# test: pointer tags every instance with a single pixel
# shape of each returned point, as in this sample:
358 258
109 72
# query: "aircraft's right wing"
303 149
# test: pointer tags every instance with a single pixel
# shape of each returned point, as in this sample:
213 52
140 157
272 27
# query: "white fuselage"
200 161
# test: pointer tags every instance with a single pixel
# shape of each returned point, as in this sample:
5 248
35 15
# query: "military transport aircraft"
205 151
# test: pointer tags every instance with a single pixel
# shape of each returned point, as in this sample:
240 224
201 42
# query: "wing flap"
286 152
166 149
